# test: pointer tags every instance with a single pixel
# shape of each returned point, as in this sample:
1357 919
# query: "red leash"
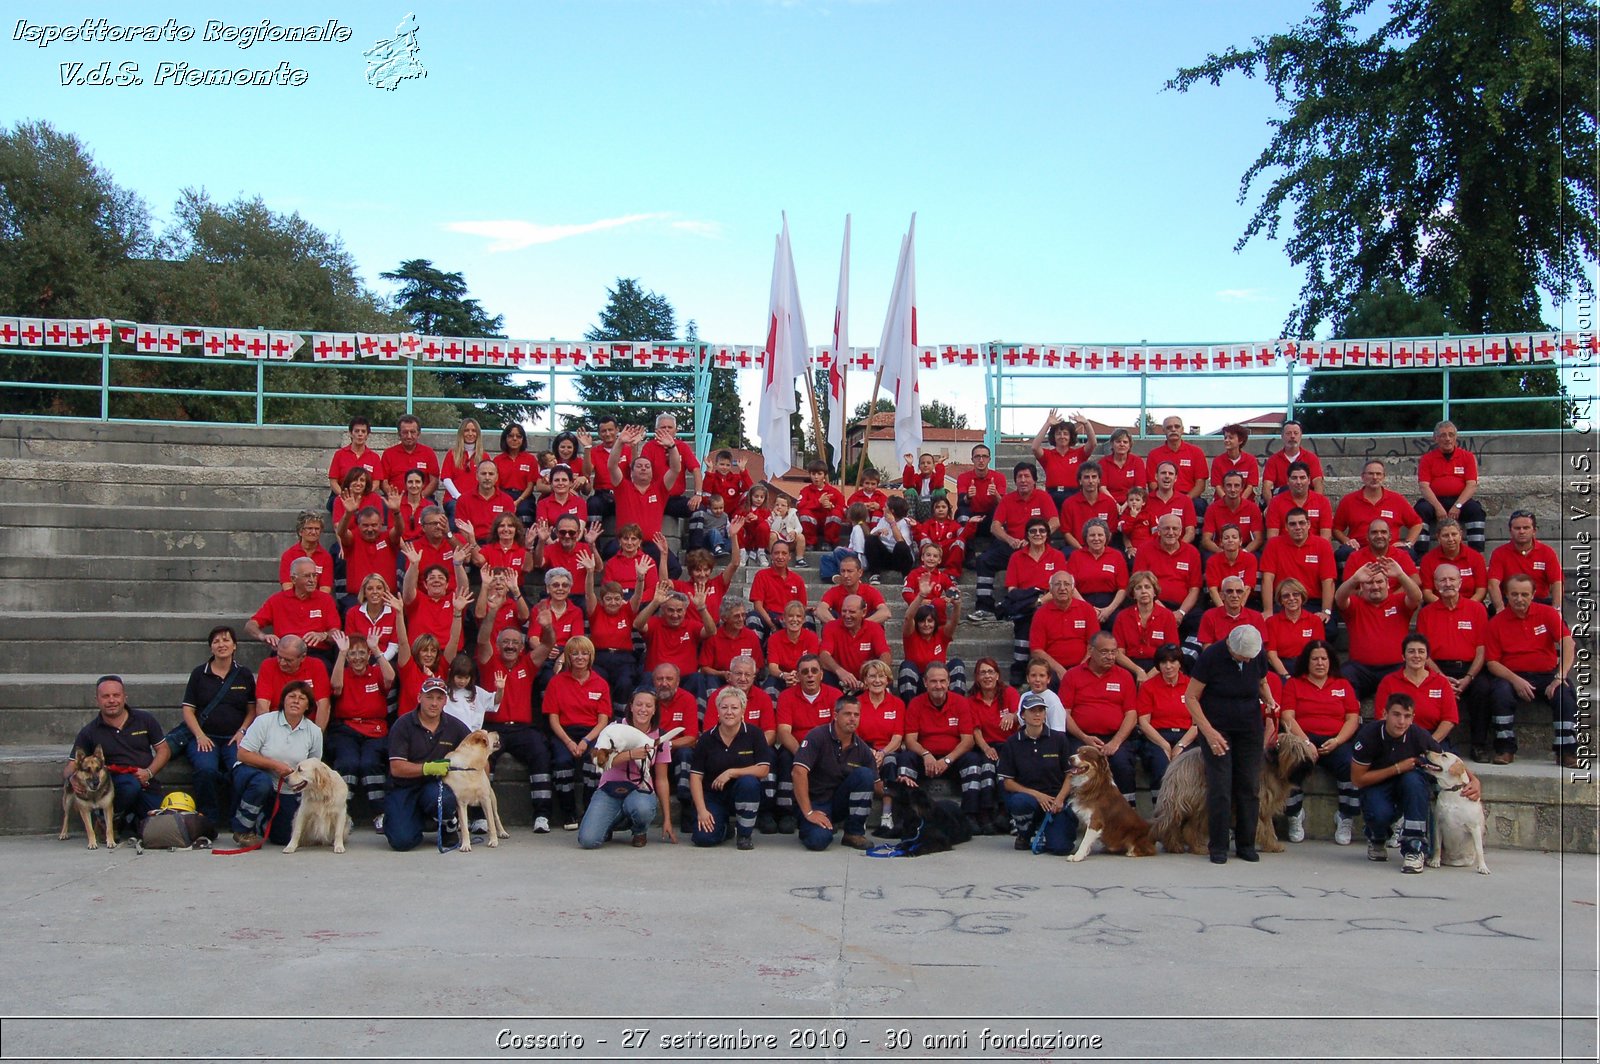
267 826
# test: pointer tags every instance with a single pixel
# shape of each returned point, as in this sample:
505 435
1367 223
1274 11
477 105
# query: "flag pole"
844 406
866 433
817 432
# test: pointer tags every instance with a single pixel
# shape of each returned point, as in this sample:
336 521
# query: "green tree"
632 314
436 304
1451 150
1392 311
937 414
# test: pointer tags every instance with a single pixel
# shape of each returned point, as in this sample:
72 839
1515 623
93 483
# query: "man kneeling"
834 770
1386 763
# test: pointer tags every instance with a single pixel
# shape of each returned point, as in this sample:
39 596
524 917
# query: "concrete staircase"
121 545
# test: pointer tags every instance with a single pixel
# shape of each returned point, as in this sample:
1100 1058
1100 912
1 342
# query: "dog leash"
265 827
439 815
1038 836
906 848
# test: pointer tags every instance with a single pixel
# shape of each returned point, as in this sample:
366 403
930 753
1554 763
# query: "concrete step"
134 585
242 492
110 641
84 516
214 541
46 708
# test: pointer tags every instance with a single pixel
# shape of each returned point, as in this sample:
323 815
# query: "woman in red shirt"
1062 457
1165 727
357 743
1290 627
883 718
1122 469
786 647
1321 707
1099 573
995 704
519 470
1143 629
577 703
925 641
507 547
1233 560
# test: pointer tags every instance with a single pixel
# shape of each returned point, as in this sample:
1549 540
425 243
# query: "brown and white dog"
324 813
94 779
1457 820
1103 813
469 779
1180 820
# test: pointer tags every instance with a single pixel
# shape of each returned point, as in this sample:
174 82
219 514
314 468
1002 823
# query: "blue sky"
1061 195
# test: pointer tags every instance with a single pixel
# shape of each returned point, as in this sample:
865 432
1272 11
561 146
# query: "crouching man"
1386 763
419 743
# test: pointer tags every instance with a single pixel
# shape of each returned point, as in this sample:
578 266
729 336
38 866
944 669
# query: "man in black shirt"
1386 762
135 747
419 743
834 771
1033 770
725 774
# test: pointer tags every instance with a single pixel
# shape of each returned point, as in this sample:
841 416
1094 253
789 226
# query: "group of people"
482 591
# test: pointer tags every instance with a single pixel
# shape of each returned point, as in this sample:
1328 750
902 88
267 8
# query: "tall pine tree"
631 313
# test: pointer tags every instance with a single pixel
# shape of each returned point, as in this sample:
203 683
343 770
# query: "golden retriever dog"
91 774
324 815
1102 811
469 779
1180 820
1458 821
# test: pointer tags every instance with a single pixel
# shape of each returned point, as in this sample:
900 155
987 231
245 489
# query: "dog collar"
1457 787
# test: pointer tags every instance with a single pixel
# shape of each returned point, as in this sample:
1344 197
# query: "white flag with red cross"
1544 346
214 343
281 346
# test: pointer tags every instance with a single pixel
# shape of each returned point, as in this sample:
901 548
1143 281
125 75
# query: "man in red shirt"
1233 508
806 705
503 658
303 611
1176 566
1306 558
1090 503
1526 556
659 452
938 739
849 642
1062 627
850 584
480 508
602 503
642 498
1009 527
368 549
1380 540
1373 501
674 635
1234 458
1530 654
288 664
356 454
1457 630
978 491
1378 620
410 454
1448 477
1278 463
1102 711
1300 495
1189 460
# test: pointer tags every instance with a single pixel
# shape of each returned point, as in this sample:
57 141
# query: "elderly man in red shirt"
1448 477
1457 630
1189 460
1101 708
302 610
1378 619
1530 654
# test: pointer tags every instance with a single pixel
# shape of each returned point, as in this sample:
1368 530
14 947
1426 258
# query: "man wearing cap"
418 745
1033 771
834 771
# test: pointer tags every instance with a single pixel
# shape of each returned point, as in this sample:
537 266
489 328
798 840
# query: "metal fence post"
1288 405
261 389
1446 375
410 386
105 381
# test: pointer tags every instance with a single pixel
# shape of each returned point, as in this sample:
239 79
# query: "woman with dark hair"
924 641
1320 706
568 453
1227 694
1165 727
629 787
271 748
519 470
1429 690
1100 573
1059 455
1122 470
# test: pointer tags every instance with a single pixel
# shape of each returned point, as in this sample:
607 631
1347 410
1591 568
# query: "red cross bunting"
1031 357
236 342
824 359
8 332
55 333
1051 359
80 335
411 344
1010 357
862 360
1158 361
171 341
927 359
969 357
1094 361
1072 359
281 347
323 348
1115 359
256 346
1569 346
1196 360
1519 349
1136 360
1545 349
1449 354
101 331
346 349
682 355
1496 352
388 348
368 345
743 358
148 340
431 350
1471 355
125 333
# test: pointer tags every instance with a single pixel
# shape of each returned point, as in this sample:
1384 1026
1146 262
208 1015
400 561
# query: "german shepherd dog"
91 775
927 825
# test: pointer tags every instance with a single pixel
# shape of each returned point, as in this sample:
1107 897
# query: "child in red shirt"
821 508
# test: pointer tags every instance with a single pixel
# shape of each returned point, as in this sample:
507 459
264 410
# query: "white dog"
469 779
1458 821
618 738
323 815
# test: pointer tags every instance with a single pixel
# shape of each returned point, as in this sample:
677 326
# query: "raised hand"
340 640
463 598
412 552
593 535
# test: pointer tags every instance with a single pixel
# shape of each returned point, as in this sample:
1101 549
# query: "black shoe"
1481 755
767 824
1249 855
745 842
1219 858
1000 824
976 826
787 825
1022 843
888 831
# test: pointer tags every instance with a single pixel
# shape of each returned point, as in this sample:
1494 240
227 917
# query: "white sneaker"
1342 827
479 826
1394 834
761 559
1297 827
377 823
1412 864
541 825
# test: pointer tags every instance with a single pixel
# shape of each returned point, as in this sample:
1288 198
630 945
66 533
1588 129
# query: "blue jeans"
741 798
1027 815
406 808
1405 797
254 789
132 799
828 566
847 807
212 768
606 813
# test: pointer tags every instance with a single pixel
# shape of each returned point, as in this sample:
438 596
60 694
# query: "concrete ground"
1311 954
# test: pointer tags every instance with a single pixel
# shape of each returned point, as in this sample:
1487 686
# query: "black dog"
927 825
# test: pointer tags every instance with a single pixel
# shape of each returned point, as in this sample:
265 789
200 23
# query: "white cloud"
1241 295
514 234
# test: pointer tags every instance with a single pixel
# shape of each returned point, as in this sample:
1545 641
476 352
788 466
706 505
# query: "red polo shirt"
1078 511
1099 703
1014 512
776 590
883 721
1118 479
1287 638
397 462
989 491
1320 710
481 513
719 649
1354 513
678 646
1447 475
1362 555
1376 630
939 728
1539 563
1063 632
1454 634
516 703
802 713
287 614
1141 641
1219 568
1521 644
1317 507
1247 517
1246 463
1024 570
1190 460
1175 572
851 650
1434 697
1474 570
1105 575
1164 703
1278 463
578 706
1311 563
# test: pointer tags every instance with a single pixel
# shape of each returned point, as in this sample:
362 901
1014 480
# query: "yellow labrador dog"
323 816
469 779
1458 821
